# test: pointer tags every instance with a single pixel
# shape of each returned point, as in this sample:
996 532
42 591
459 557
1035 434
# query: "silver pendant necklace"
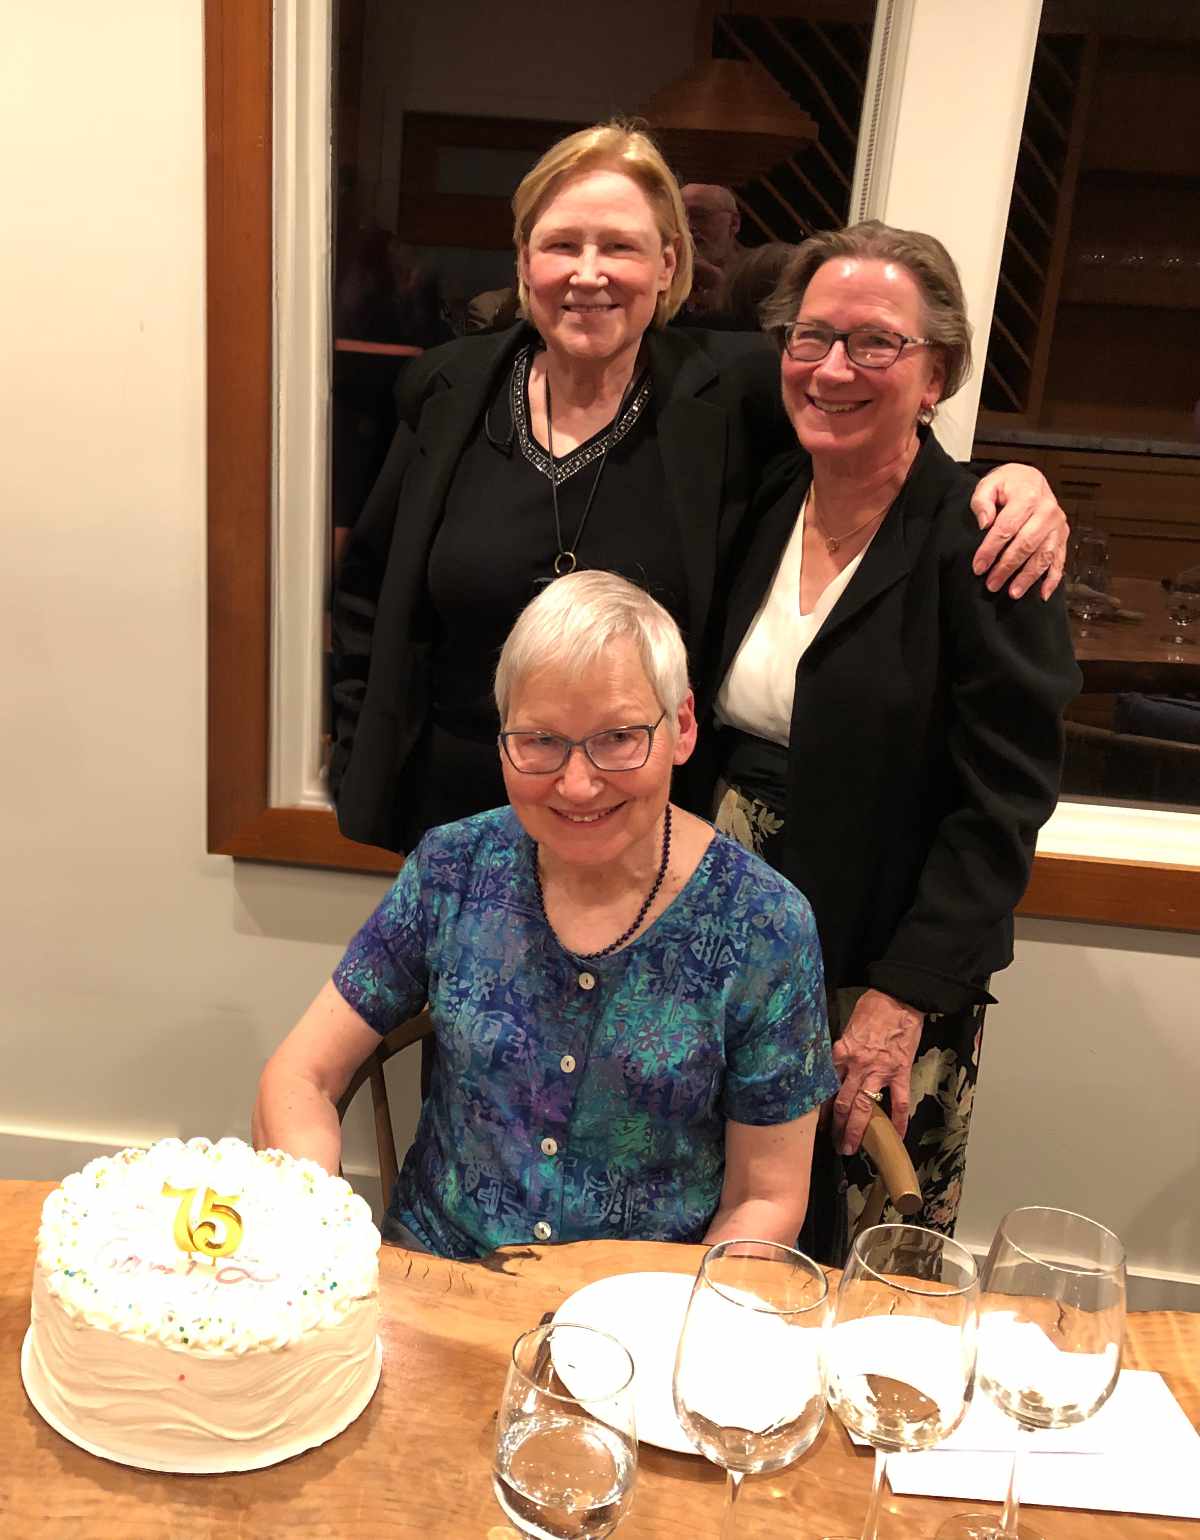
566 561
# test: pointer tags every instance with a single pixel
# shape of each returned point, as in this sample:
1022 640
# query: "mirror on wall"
255 809
440 111
1090 370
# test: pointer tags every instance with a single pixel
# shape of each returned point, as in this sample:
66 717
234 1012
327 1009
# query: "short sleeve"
384 974
779 1063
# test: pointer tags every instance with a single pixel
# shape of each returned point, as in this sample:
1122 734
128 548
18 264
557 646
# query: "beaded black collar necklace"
642 912
629 409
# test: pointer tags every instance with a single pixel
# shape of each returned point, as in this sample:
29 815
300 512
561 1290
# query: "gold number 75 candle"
200 1235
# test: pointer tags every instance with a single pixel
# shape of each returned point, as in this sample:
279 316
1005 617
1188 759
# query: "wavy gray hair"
572 623
923 256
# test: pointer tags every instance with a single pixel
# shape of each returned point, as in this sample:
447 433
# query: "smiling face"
581 815
595 265
863 416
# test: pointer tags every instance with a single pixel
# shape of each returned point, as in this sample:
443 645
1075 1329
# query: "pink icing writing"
234 1272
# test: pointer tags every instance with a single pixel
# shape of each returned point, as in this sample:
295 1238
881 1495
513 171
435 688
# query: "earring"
925 416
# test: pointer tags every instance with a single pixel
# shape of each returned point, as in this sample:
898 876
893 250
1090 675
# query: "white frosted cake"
203 1307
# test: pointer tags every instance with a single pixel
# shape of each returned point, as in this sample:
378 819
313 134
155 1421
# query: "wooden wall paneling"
238 150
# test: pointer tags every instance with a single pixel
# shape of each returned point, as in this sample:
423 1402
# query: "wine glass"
748 1386
1052 1319
1088 580
566 1447
1183 610
900 1353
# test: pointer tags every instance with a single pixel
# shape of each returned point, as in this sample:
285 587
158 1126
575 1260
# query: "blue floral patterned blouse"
576 1100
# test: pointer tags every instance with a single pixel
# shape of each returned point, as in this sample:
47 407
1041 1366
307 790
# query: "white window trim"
302 105
944 75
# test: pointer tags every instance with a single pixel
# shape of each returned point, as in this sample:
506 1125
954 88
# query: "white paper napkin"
1138 1454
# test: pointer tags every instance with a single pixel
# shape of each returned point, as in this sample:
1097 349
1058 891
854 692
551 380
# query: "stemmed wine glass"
1183 610
1088 579
566 1447
748 1387
1052 1320
900 1353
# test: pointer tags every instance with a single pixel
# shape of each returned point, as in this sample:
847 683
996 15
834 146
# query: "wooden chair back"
371 1069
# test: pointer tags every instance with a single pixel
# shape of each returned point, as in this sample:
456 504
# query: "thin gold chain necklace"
832 542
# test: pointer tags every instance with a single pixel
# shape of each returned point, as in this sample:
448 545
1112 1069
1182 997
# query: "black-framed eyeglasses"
870 347
613 748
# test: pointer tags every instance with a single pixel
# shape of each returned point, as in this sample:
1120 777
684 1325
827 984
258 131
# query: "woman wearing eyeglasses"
892 734
591 435
629 1007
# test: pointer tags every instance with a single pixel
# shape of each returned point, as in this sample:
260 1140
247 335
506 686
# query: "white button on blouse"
549 1146
541 1231
587 981
567 1064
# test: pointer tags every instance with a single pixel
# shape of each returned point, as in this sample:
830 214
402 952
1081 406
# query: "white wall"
1088 1089
146 981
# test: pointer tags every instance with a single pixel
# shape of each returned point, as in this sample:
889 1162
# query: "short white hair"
573 622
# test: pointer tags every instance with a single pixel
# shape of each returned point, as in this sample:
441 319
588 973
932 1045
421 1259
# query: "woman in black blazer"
591 437
891 729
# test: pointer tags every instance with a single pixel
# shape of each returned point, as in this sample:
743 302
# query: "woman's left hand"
1027 532
875 1052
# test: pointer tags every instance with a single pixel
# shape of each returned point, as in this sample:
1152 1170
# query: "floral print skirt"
943 1076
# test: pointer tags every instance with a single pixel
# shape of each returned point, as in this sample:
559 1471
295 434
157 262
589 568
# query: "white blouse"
759 689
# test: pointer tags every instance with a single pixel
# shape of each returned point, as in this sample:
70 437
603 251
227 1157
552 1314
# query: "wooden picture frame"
241 821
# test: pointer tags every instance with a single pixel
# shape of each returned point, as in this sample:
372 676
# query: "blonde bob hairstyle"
615 146
944 310
574 621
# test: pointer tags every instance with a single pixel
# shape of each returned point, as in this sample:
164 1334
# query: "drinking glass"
900 1353
566 1447
1088 584
1052 1320
1183 610
748 1386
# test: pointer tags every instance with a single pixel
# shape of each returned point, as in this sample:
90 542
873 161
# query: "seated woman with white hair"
629 1008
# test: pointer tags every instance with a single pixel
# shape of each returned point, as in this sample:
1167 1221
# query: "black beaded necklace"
642 912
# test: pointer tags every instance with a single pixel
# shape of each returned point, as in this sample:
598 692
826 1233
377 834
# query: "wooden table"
417 1462
1132 655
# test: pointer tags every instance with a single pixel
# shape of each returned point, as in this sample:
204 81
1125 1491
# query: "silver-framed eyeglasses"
613 748
870 347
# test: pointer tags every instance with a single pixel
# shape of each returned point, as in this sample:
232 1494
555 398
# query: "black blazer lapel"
692 436
889 557
768 541
885 563
449 418
459 397
692 443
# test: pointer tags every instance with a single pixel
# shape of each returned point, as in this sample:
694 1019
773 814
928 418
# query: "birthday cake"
203 1307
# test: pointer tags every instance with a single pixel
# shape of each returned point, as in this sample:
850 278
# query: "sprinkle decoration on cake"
203 1307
